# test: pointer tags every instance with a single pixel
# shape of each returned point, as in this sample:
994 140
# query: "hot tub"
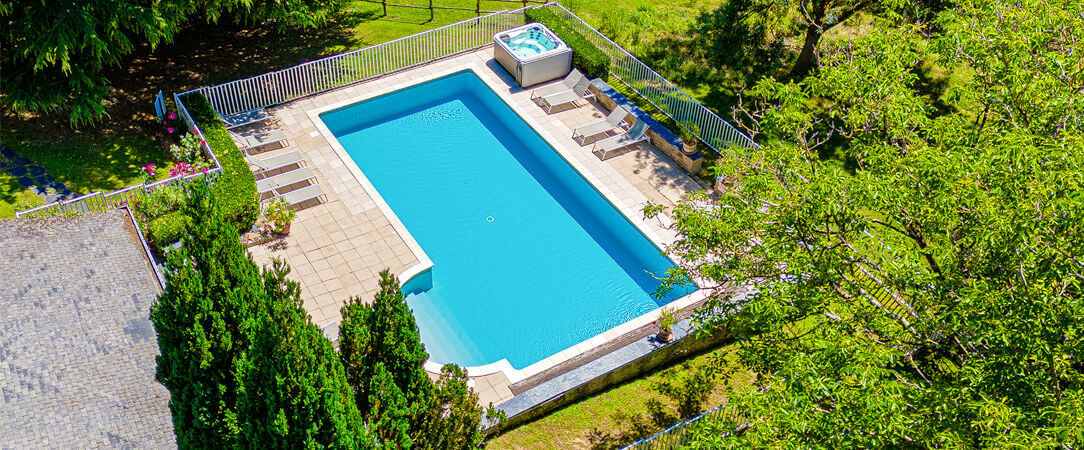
532 54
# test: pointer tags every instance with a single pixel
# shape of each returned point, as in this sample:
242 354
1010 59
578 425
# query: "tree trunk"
805 59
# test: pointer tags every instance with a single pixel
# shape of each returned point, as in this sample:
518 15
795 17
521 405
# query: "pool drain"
489 218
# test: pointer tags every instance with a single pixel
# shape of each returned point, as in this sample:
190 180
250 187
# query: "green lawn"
107 156
595 422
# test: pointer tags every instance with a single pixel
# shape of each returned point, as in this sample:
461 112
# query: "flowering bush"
156 202
190 149
183 168
148 172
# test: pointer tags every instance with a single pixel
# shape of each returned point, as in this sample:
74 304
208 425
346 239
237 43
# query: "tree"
205 320
243 363
296 394
54 51
382 352
930 294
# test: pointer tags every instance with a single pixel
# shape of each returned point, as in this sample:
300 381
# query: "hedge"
236 186
167 229
585 55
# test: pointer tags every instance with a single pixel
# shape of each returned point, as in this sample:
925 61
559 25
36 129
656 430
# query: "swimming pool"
528 258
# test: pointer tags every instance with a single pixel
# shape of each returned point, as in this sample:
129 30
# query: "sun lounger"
241 119
605 148
578 92
304 194
571 80
249 142
276 162
613 121
276 182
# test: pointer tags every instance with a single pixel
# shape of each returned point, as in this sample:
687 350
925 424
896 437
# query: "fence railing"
660 92
101 201
104 201
328 73
678 433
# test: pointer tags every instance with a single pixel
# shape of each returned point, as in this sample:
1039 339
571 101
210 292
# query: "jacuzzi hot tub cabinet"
544 66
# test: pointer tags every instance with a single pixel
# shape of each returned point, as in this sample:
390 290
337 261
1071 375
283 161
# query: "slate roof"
77 347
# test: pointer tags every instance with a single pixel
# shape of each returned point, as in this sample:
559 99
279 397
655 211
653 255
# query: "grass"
596 422
107 156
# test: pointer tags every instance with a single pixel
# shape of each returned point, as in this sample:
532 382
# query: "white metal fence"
104 201
656 89
317 76
677 434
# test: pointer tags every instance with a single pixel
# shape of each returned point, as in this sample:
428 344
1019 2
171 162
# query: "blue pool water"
528 258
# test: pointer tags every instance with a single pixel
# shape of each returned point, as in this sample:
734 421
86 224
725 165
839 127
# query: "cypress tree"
381 349
244 365
382 352
204 319
296 394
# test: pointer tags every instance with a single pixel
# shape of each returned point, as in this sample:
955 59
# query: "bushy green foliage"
928 295
205 320
296 394
381 349
166 229
585 55
243 364
235 187
55 52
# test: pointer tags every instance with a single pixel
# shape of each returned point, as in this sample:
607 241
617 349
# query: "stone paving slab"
77 347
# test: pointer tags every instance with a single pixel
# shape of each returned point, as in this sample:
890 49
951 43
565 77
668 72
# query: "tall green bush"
585 55
235 188
243 364
205 319
382 352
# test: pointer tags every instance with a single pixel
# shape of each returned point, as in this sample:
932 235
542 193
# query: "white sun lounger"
606 147
251 141
613 121
245 118
276 182
276 162
571 80
304 194
578 92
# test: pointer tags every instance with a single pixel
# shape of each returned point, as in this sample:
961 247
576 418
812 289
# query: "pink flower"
170 130
172 116
149 169
202 142
165 122
204 170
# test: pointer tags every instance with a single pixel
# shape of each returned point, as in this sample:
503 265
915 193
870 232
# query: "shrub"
236 186
166 229
585 55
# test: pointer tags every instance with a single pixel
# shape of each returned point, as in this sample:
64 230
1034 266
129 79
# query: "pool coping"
425 263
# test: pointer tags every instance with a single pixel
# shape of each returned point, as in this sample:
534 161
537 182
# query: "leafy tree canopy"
927 294
54 51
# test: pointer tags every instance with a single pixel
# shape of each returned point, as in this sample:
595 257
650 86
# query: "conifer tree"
382 352
296 394
204 320
244 365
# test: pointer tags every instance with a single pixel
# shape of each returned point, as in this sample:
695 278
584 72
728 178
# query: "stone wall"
683 348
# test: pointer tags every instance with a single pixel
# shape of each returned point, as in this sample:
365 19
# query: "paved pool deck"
338 247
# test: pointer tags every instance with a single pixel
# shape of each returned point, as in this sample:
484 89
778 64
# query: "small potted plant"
688 132
279 213
667 319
